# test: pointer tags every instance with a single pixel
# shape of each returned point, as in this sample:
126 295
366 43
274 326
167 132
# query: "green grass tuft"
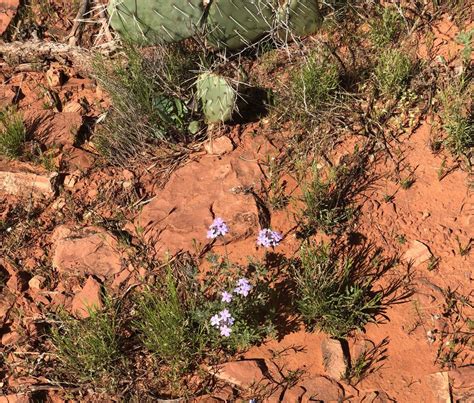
315 82
88 349
328 295
12 133
385 28
456 115
393 71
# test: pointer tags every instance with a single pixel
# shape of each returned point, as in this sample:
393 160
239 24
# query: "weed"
385 27
393 71
167 328
433 263
456 114
464 249
149 97
315 82
12 133
325 203
88 349
407 183
329 296
401 239
367 362
465 39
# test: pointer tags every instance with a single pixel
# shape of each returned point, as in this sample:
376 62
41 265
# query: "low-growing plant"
329 294
167 324
325 199
385 28
149 94
315 82
88 349
12 133
456 115
393 71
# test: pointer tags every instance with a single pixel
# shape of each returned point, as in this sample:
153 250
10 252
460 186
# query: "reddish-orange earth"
64 257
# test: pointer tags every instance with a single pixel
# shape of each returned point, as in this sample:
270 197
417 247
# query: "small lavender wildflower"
225 330
225 315
269 238
217 228
216 320
243 287
226 296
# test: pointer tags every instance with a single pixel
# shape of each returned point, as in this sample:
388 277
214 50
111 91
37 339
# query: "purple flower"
217 228
225 330
215 321
269 238
225 315
243 287
226 296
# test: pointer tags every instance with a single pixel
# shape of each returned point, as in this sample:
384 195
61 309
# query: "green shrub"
12 133
88 349
330 296
393 71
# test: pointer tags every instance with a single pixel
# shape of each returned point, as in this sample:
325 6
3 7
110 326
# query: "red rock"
376 397
417 253
17 398
89 250
23 180
334 359
244 374
181 212
10 338
219 146
438 384
36 282
462 383
8 9
86 299
322 388
7 300
74 107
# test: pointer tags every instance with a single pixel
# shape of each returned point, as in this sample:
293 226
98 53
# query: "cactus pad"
301 17
234 24
217 96
155 21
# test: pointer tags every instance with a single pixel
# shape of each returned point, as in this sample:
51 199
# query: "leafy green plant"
88 349
12 133
393 71
385 27
329 296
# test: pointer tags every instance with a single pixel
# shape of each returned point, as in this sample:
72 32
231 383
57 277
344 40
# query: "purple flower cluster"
223 321
243 287
268 238
217 228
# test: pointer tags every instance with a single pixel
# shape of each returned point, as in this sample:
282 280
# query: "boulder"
85 251
87 299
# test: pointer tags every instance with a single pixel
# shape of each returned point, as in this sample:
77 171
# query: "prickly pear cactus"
155 21
217 96
235 24
299 17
